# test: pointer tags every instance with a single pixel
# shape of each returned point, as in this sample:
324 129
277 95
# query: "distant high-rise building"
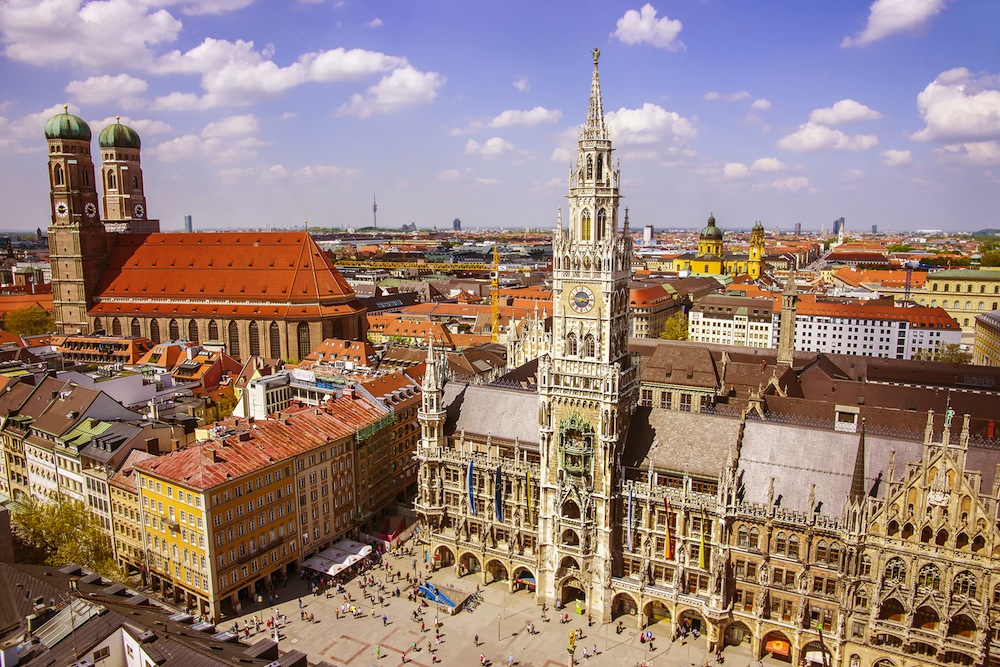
647 235
188 225
456 225
798 229
874 229
838 227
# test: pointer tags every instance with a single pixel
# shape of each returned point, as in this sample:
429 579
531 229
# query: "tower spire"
595 127
858 479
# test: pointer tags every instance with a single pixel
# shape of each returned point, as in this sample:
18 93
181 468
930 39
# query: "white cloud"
449 175
767 164
888 17
642 27
561 155
144 126
233 126
325 171
977 153
375 23
649 124
790 184
735 170
521 84
714 96
528 118
89 34
958 106
402 88
761 104
894 158
227 140
844 111
490 148
487 181
811 137
195 7
22 134
849 175
123 89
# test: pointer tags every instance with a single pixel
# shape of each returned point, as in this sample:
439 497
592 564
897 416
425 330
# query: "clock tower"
588 381
77 240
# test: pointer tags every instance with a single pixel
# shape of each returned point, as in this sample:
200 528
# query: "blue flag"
472 491
498 495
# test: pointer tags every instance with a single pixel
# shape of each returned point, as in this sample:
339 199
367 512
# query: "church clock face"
581 299
62 209
90 209
139 210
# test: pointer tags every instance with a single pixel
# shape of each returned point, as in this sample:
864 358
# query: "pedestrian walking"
510 660
385 621
475 640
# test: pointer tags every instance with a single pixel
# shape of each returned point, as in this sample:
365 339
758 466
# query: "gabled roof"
278 267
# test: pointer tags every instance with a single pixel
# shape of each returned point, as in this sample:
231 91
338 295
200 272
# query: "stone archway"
444 557
623 604
691 620
469 564
656 611
777 645
572 593
497 571
738 633
524 580
815 654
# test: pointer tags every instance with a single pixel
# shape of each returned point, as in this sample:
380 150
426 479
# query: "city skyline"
259 115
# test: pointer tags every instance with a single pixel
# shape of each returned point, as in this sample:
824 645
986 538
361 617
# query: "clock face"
581 299
90 209
139 210
62 209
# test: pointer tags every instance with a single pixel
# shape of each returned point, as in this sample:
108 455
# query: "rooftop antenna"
374 215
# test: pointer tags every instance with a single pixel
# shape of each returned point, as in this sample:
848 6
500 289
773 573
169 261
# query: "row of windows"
968 288
232 334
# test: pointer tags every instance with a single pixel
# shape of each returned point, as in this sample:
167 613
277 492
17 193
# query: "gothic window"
234 339
585 226
600 168
274 337
743 537
793 546
865 569
929 577
193 331
213 330
965 584
589 350
116 327
602 224
135 181
821 551
754 540
303 338
254 339
154 331
861 599
174 330
571 344
590 167
136 328
97 325
112 181
895 570
86 177
58 177
834 557
780 544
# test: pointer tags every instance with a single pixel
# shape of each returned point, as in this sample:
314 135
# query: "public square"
500 621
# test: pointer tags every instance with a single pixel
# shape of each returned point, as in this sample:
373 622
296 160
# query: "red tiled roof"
886 278
280 267
923 317
204 465
9 302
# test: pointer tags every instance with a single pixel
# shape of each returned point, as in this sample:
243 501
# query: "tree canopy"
65 531
948 353
676 327
31 321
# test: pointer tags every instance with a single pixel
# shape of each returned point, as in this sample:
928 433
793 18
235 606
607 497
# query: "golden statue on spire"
597 54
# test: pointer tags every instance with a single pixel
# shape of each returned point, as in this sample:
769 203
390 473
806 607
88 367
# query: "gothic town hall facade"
618 490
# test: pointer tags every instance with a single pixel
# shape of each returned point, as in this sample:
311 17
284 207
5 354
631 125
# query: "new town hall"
715 489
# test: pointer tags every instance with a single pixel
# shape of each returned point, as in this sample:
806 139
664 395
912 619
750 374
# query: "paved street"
349 642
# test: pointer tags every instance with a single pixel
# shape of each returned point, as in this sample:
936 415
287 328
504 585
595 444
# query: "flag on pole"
472 491
667 548
630 519
498 495
701 548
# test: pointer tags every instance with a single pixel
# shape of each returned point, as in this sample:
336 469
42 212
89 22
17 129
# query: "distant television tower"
374 215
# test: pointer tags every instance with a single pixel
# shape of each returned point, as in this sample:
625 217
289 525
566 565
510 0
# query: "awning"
777 647
339 557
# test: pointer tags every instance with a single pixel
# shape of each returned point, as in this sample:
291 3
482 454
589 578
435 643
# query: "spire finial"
858 479
595 127
65 108
118 119
597 55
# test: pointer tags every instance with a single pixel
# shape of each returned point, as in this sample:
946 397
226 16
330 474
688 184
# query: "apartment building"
986 348
732 320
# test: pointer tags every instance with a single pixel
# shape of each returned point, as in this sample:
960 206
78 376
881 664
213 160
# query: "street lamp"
498 627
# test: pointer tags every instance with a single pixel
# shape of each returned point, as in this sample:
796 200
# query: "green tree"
676 328
65 531
990 258
899 247
951 353
31 321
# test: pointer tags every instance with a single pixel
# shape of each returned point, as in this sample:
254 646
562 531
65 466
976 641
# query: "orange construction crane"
495 296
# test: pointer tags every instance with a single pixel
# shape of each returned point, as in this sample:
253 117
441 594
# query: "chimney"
190 352
210 455
153 446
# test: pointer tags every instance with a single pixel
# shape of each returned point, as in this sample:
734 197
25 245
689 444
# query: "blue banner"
472 491
498 495
630 519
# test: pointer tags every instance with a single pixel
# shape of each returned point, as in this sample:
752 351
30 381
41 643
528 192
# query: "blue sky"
262 113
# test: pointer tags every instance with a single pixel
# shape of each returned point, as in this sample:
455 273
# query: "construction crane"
908 264
495 297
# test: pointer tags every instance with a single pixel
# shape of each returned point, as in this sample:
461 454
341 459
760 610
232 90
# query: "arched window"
861 599
234 339
154 331
895 570
754 540
946 286
135 182
793 547
58 177
944 303
590 167
86 177
112 181
303 337
602 224
116 327
780 544
585 226
193 331
743 538
821 554
174 330
213 330
982 306
865 568
136 327
571 344
834 558
965 584
968 288
254 339
274 338
98 325
600 168
929 577
968 305
589 350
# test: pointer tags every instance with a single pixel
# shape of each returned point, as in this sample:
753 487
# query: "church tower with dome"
710 241
121 179
755 261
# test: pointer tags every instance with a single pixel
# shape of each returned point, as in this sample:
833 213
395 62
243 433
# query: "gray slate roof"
677 441
488 410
